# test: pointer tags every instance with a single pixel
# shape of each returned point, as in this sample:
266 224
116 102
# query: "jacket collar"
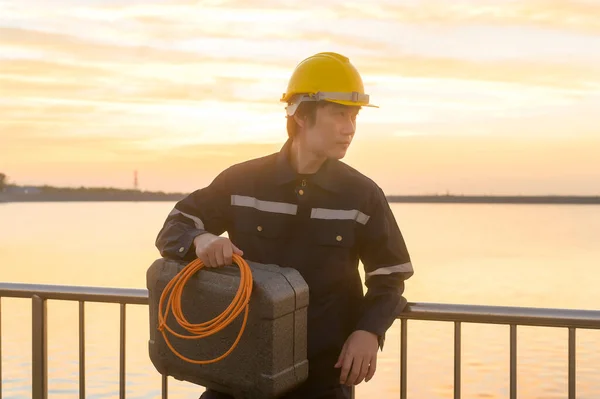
327 177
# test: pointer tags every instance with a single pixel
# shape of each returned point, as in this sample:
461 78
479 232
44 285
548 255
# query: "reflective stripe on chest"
292 209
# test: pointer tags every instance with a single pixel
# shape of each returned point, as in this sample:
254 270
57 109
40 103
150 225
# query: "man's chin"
337 155
337 151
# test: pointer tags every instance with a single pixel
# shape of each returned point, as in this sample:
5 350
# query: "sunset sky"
475 96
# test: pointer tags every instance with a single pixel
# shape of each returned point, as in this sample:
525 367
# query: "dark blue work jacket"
322 224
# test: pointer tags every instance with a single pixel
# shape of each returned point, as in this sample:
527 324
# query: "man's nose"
349 127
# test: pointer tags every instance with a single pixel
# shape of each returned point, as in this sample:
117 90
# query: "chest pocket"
334 253
334 233
334 227
261 235
262 224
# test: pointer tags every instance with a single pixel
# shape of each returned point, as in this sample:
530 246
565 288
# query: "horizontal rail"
524 316
130 296
512 316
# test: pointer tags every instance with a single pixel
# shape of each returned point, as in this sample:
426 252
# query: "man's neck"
304 161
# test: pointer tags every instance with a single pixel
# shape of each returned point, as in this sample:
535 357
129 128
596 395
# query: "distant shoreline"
496 199
140 196
106 196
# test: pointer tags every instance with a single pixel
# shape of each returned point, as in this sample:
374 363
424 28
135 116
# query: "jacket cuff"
365 325
377 319
185 246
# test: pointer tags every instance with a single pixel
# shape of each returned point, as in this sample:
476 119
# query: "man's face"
333 130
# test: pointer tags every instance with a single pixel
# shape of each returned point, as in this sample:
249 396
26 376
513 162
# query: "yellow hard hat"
325 76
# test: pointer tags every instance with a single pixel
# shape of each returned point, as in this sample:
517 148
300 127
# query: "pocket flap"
335 234
263 225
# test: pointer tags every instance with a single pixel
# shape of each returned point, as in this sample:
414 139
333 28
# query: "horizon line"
395 196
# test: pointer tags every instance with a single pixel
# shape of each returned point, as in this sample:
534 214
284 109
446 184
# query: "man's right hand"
215 251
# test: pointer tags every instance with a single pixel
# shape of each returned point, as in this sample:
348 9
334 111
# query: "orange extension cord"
205 329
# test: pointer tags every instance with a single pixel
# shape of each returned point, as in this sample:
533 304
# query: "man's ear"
300 120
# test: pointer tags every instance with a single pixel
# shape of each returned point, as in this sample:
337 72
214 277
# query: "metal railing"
458 314
512 316
39 295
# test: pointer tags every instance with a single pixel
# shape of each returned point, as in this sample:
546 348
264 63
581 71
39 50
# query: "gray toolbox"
270 358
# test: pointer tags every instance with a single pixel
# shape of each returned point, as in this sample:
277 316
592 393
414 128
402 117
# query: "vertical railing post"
165 386
39 348
122 354
81 350
513 361
572 369
403 357
457 359
0 347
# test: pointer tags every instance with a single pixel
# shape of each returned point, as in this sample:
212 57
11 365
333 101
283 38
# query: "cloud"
105 62
49 69
576 16
571 15
24 144
179 71
60 80
72 47
253 30
510 71
57 89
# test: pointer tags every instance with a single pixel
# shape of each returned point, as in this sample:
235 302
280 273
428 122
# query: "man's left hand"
358 358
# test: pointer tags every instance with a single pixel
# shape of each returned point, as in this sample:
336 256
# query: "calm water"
543 256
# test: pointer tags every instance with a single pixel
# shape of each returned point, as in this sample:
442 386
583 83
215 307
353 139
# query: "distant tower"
135 180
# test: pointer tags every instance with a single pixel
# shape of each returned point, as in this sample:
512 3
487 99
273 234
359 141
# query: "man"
303 208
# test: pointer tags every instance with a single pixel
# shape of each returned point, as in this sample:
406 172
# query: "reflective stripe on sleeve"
197 221
402 268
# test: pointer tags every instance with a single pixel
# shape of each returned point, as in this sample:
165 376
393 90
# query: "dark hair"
306 109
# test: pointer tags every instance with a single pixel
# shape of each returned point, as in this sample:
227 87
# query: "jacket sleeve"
387 265
204 211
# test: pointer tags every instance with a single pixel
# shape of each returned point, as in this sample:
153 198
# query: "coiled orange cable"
208 328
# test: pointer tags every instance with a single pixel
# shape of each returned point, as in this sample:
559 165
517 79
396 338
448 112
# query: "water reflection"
495 255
